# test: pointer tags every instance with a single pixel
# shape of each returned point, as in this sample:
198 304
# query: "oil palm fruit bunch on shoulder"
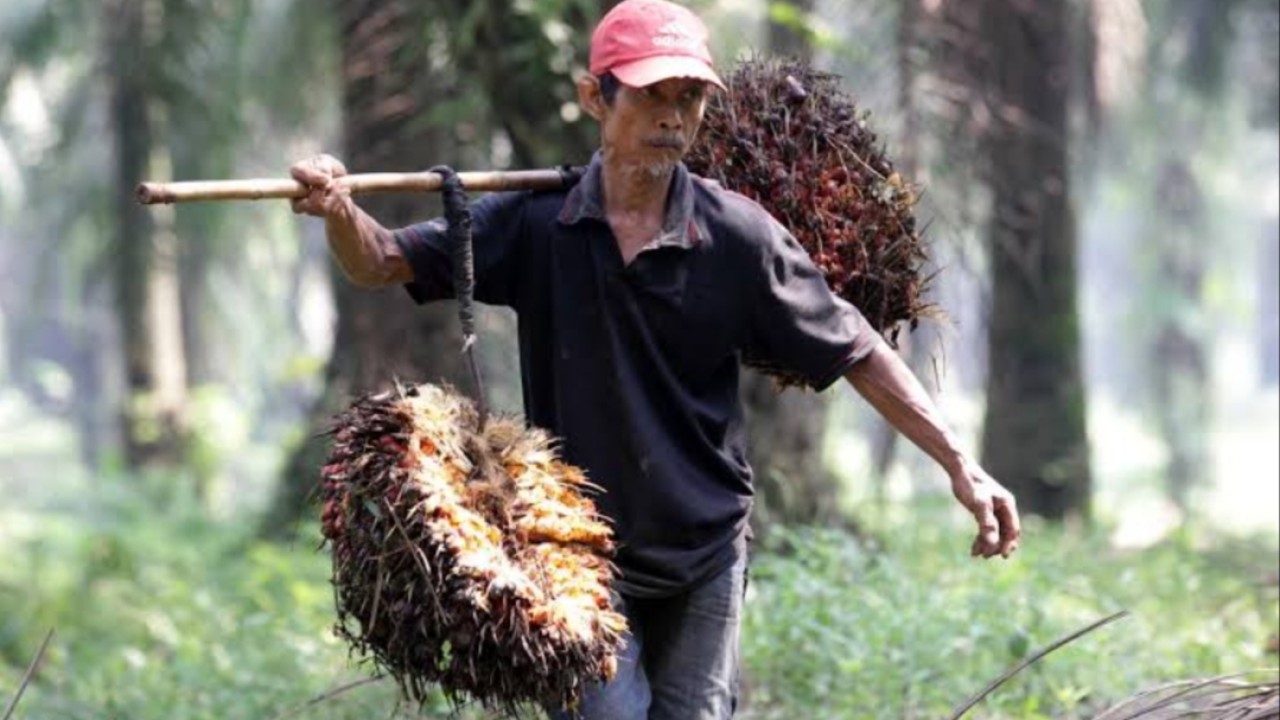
785 136
467 556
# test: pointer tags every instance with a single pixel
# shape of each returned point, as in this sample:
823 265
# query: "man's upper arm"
797 323
496 228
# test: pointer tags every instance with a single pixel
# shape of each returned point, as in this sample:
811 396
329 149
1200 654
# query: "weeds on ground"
163 613
835 631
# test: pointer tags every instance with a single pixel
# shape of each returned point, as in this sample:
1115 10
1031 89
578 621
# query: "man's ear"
590 97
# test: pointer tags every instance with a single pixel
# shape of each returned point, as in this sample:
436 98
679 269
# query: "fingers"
311 172
314 203
307 204
332 165
317 173
999 527
994 507
987 543
1010 524
318 170
335 198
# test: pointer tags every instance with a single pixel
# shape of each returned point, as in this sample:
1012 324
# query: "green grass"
165 615
160 613
837 632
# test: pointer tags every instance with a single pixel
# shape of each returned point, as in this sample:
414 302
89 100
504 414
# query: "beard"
647 162
652 170
659 162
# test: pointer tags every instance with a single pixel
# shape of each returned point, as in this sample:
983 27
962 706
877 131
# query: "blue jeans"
680 661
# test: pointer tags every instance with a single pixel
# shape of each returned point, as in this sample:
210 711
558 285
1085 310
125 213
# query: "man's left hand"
992 506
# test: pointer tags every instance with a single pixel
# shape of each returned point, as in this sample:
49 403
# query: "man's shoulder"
745 218
529 203
725 200
552 198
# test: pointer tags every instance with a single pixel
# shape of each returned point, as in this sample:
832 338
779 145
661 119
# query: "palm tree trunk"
381 337
785 430
1179 360
525 93
144 270
1034 437
790 37
1269 303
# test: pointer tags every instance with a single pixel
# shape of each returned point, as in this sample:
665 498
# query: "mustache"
674 142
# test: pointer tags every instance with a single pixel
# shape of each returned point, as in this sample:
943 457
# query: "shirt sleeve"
797 324
496 230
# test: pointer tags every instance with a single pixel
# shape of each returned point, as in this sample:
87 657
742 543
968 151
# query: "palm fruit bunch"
466 554
785 136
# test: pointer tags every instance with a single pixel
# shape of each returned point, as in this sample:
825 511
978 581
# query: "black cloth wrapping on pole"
458 215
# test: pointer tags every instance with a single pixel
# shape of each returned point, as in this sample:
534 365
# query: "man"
638 292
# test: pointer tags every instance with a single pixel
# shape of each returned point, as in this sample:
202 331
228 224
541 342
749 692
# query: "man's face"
648 128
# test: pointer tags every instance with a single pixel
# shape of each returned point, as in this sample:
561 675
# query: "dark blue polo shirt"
635 367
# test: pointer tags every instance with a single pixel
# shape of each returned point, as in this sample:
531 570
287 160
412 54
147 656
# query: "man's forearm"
364 249
893 390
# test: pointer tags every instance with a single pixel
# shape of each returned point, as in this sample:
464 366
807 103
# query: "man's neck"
634 190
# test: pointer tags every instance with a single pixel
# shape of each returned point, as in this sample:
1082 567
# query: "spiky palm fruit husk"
1235 697
785 136
465 557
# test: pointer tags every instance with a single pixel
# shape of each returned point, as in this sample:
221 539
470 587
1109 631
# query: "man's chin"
657 165
655 170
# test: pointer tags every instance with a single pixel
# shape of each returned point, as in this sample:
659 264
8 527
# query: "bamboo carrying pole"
274 188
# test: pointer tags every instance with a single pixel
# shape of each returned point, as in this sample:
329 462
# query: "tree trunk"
785 433
789 33
527 89
144 269
195 263
785 430
1178 349
1269 303
381 336
1178 359
1034 436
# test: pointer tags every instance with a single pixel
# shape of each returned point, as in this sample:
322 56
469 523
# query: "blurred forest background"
1102 183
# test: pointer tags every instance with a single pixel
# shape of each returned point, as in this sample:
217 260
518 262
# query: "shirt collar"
586 200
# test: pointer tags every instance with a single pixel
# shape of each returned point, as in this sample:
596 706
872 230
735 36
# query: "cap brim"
664 67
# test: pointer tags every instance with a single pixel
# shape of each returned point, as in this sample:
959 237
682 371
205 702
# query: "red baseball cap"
645 41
